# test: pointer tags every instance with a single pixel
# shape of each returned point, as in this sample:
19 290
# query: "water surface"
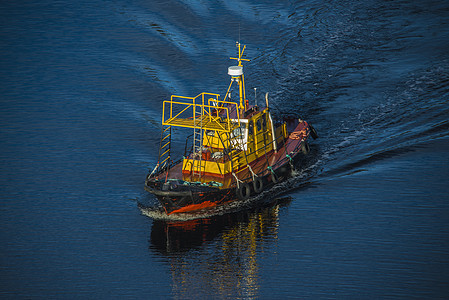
81 90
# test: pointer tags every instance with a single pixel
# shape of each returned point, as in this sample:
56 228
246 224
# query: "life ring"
243 191
258 185
295 135
305 148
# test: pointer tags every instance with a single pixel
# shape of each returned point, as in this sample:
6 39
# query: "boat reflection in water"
218 254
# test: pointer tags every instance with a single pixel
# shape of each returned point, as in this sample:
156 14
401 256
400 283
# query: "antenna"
236 73
239 32
255 98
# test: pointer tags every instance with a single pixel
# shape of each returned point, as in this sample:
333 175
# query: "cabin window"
236 132
258 125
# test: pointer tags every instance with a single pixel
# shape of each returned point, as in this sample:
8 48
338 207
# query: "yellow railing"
196 114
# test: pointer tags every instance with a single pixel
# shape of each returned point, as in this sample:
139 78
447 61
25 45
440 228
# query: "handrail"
171 108
205 110
220 105
193 98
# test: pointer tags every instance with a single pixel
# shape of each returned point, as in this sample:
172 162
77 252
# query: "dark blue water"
81 90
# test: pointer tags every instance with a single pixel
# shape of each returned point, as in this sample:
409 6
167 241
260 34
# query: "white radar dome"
235 71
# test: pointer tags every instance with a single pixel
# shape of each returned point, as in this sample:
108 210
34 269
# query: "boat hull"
179 198
187 199
180 193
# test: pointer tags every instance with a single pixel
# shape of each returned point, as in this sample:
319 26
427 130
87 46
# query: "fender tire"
244 191
258 185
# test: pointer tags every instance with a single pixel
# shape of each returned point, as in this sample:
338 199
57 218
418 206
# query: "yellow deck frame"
197 114
200 112
207 112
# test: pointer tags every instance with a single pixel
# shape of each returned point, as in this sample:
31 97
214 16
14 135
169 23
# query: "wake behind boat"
235 150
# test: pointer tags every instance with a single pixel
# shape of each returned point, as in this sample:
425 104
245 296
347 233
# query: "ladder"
197 168
164 147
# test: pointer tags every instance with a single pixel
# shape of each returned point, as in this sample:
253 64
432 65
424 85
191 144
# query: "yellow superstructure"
227 136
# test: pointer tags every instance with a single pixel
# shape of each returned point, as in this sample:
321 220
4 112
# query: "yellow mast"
236 73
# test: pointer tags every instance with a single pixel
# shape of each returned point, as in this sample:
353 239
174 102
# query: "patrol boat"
235 149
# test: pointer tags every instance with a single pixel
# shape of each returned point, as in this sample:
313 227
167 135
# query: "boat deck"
260 166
